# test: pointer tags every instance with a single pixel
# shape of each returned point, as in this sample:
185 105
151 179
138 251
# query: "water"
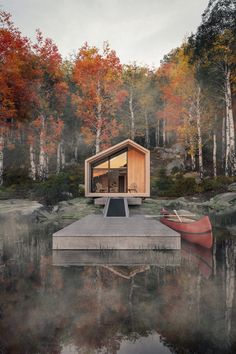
143 303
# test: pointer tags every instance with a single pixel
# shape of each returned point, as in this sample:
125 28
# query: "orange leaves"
98 79
178 87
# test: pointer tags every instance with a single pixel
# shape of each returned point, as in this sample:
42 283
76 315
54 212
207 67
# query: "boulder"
19 206
229 197
177 163
232 187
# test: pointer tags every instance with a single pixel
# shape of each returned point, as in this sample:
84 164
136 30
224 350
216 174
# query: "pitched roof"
117 147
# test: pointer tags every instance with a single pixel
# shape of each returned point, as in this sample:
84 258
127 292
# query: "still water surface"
115 302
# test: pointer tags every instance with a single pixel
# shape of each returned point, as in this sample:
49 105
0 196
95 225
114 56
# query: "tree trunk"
43 168
147 140
193 161
1 158
227 146
214 155
58 157
33 170
192 153
63 155
76 153
230 161
164 132
223 146
157 133
99 119
131 109
199 133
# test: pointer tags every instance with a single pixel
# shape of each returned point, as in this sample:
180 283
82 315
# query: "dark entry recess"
116 207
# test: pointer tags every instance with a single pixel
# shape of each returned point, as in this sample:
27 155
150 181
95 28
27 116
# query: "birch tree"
51 93
98 79
215 48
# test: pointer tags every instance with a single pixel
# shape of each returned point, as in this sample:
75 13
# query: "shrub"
184 186
19 176
58 187
163 183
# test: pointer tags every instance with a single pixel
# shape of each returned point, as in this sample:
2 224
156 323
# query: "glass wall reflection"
110 174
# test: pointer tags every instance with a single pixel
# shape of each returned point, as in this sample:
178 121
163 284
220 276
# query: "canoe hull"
198 232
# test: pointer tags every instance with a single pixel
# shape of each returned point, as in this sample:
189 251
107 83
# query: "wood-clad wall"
136 169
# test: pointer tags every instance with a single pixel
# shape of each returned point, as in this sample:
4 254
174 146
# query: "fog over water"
152 302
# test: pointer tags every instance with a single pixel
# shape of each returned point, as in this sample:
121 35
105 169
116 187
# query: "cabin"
123 170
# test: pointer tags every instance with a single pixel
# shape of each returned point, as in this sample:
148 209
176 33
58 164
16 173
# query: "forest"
56 112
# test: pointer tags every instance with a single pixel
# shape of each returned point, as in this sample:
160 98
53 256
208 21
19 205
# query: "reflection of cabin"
122 170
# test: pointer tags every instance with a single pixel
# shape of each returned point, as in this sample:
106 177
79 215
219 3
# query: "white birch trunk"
76 153
157 133
1 158
131 109
230 161
223 152
214 155
33 169
227 146
42 171
146 130
192 153
63 155
193 161
229 112
199 133
164 132
99 120
58 157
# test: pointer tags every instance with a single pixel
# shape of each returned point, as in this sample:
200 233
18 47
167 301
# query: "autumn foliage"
56 112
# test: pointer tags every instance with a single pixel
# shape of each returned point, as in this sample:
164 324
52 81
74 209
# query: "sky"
138 30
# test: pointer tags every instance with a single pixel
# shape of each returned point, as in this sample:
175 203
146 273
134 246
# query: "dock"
95 232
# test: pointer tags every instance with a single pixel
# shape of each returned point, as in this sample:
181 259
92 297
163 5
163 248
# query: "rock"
179 149
178 164
19 206
229 197
55 209
232 187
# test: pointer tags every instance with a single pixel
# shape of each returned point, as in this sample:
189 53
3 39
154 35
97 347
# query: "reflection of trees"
230 255
96 308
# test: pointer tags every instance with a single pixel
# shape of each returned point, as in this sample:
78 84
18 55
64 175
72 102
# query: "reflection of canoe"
194 231
199 257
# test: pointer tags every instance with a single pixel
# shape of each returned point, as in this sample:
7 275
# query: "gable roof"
117 147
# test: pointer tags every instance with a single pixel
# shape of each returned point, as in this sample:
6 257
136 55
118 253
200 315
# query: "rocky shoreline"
14 212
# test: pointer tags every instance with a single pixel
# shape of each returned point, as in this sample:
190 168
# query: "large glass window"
110 175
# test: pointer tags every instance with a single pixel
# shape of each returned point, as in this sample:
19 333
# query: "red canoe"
194 231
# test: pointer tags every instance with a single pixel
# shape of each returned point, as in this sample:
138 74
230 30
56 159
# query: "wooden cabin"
123 170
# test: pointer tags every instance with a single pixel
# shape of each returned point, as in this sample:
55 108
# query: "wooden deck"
65 258
135 232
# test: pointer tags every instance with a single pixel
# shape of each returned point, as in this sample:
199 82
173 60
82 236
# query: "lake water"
115 302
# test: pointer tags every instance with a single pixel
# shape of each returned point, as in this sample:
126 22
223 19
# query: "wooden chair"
99 188
133 188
